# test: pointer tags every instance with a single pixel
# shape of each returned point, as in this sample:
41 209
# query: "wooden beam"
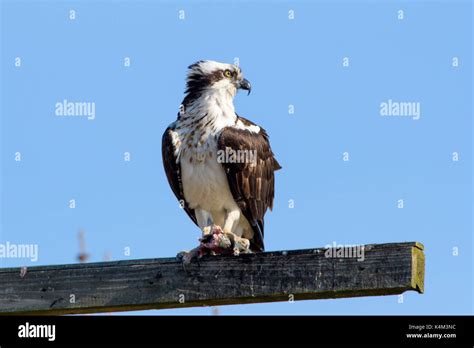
387 269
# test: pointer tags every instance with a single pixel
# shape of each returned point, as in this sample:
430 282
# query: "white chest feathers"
205 183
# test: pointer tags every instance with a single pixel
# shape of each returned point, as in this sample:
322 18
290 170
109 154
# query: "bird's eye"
228 73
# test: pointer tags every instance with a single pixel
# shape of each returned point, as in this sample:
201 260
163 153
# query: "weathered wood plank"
387 269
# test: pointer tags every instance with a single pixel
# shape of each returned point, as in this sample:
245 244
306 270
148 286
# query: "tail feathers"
256 243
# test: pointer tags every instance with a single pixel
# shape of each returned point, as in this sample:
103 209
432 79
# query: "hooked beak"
245 84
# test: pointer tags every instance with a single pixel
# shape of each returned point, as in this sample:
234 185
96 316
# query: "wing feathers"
173 171
251 184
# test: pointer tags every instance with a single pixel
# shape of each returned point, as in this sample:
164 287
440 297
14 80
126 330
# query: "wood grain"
387 269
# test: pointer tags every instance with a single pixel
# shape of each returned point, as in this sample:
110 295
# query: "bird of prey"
219 165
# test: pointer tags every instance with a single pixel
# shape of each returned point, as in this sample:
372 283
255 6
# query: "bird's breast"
204 181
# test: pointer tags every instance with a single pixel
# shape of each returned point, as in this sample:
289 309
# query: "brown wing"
252 184
173 172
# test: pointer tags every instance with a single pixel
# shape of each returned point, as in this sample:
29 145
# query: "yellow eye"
227 73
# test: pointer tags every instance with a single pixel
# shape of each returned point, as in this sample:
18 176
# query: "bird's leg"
216 240
231 219
204 221
213 241
239 245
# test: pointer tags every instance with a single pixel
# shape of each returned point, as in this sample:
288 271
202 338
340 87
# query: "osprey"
219 165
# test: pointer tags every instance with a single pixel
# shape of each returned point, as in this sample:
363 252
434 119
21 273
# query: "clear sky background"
296 62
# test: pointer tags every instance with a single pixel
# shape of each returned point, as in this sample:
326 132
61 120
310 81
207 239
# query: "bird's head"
210 75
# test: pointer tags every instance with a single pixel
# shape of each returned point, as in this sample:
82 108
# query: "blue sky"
296 62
